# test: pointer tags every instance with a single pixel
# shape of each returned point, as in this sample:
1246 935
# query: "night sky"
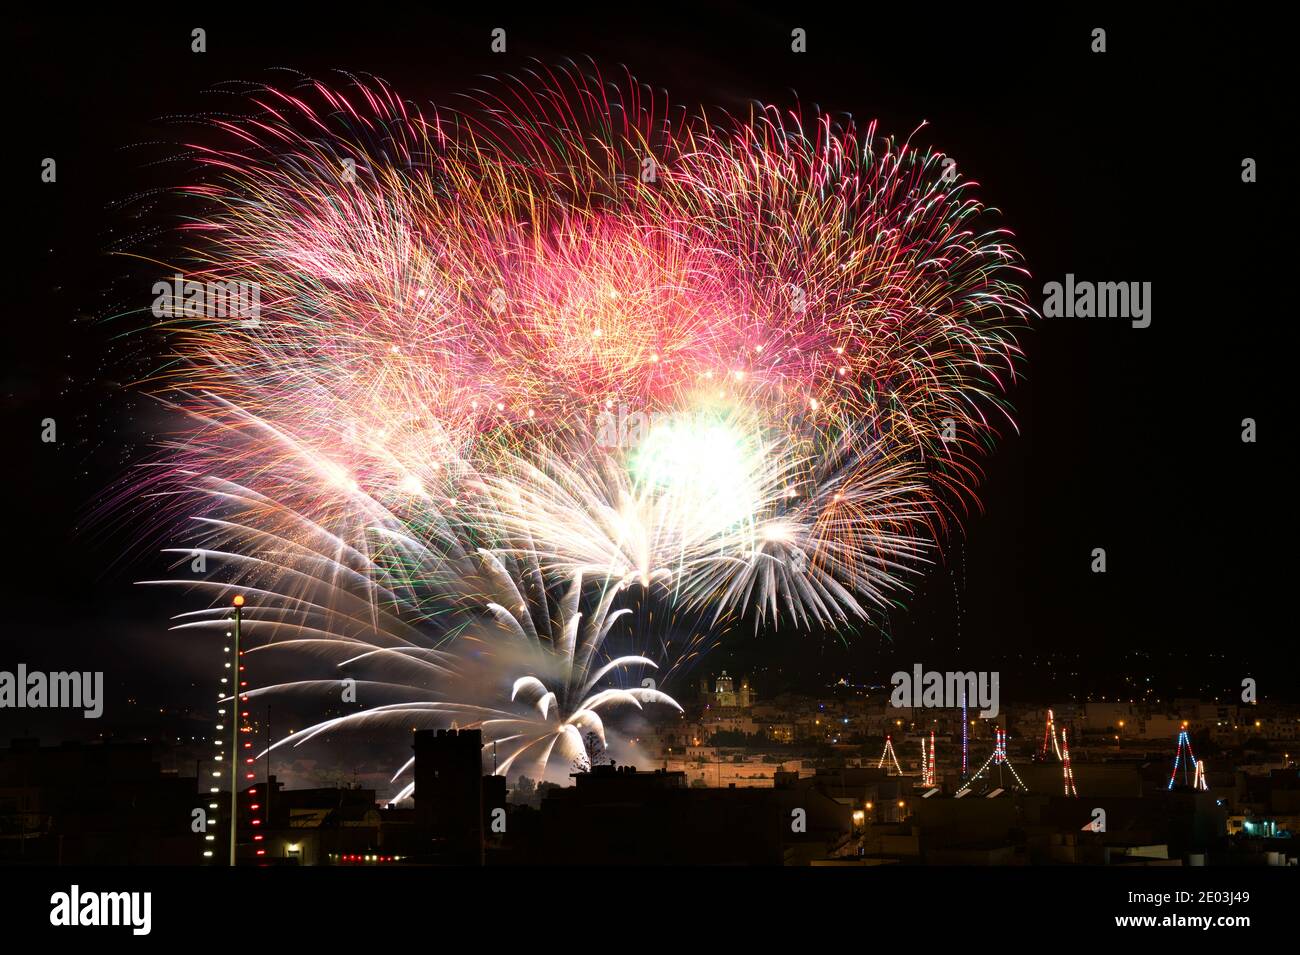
1116 167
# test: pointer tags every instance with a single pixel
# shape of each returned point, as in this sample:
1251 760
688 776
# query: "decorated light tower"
1065 758
236 720
889 754
254 801
220 754
1188 764
928 775
1049 738
998 759
242 757
965 733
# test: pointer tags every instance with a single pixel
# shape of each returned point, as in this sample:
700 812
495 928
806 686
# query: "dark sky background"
1116 167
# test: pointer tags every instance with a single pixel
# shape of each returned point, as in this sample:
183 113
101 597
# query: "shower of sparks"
521 365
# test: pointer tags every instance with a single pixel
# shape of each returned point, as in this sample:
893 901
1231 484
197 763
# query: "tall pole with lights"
965 734
234 735
1065 758
930 774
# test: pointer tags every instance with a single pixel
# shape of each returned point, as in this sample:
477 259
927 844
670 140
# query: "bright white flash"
706 467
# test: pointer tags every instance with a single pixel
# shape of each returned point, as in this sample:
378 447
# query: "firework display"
518 368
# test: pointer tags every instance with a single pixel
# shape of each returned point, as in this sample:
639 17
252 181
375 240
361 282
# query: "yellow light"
239 600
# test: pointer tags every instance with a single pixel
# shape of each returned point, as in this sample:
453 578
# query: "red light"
257 822
255 806
257 838
261 852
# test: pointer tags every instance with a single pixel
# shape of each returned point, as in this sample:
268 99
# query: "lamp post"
234 736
